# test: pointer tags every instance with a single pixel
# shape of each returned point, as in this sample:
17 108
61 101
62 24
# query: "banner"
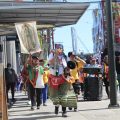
28 37
116 15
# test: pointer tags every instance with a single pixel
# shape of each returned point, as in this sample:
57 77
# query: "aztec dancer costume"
59 84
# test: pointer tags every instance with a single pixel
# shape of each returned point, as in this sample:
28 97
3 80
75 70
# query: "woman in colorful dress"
60 82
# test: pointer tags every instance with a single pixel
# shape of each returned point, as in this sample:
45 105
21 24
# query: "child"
70 80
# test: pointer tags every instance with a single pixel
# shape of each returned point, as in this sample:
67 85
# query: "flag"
28 37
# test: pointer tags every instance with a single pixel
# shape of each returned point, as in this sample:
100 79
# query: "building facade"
100 28
116 20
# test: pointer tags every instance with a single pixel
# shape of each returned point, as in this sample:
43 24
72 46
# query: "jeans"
35 95
12 87
44 93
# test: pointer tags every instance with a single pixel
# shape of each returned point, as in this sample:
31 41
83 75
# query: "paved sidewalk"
87 110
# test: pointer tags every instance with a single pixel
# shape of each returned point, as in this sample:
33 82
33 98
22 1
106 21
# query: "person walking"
11 80
106 76
45 79
79 63
24 74
58 85
81 78
35 77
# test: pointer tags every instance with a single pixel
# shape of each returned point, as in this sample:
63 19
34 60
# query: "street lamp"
111 54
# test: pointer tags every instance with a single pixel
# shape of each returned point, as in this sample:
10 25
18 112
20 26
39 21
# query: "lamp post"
111 55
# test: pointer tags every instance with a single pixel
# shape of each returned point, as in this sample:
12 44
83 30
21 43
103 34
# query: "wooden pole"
3 101
3 109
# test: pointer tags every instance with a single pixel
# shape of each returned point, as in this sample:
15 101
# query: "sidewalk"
87 110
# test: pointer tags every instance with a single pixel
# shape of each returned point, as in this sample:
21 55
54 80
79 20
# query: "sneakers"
38 107
32 108
75 109
13 100
64 114
29 102
44 104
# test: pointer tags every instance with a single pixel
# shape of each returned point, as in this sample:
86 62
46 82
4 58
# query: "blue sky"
83 28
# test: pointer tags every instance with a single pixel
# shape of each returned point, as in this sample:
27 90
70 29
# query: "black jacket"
10 76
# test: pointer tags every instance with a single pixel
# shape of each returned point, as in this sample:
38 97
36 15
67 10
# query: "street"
87 110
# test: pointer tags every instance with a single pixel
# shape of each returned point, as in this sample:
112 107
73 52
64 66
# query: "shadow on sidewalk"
12 111
94 109
79 110
34 113
30 117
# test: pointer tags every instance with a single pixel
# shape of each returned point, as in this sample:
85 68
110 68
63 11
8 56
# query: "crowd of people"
59 79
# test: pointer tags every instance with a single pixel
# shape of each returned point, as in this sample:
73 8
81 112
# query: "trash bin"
92 84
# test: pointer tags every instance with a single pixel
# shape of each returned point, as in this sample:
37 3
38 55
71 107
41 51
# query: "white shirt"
61 66
39 81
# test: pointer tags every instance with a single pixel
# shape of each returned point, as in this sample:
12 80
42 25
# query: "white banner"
27 33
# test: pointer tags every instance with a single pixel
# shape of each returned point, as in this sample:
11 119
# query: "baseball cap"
35 57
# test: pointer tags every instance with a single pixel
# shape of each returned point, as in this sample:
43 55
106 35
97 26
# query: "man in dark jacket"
11 79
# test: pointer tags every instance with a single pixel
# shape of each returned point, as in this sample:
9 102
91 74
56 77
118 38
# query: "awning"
53 13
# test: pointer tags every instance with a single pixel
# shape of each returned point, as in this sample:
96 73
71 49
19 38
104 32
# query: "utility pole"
74 40
111 55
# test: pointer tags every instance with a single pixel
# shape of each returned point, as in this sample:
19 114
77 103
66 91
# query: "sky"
83 29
